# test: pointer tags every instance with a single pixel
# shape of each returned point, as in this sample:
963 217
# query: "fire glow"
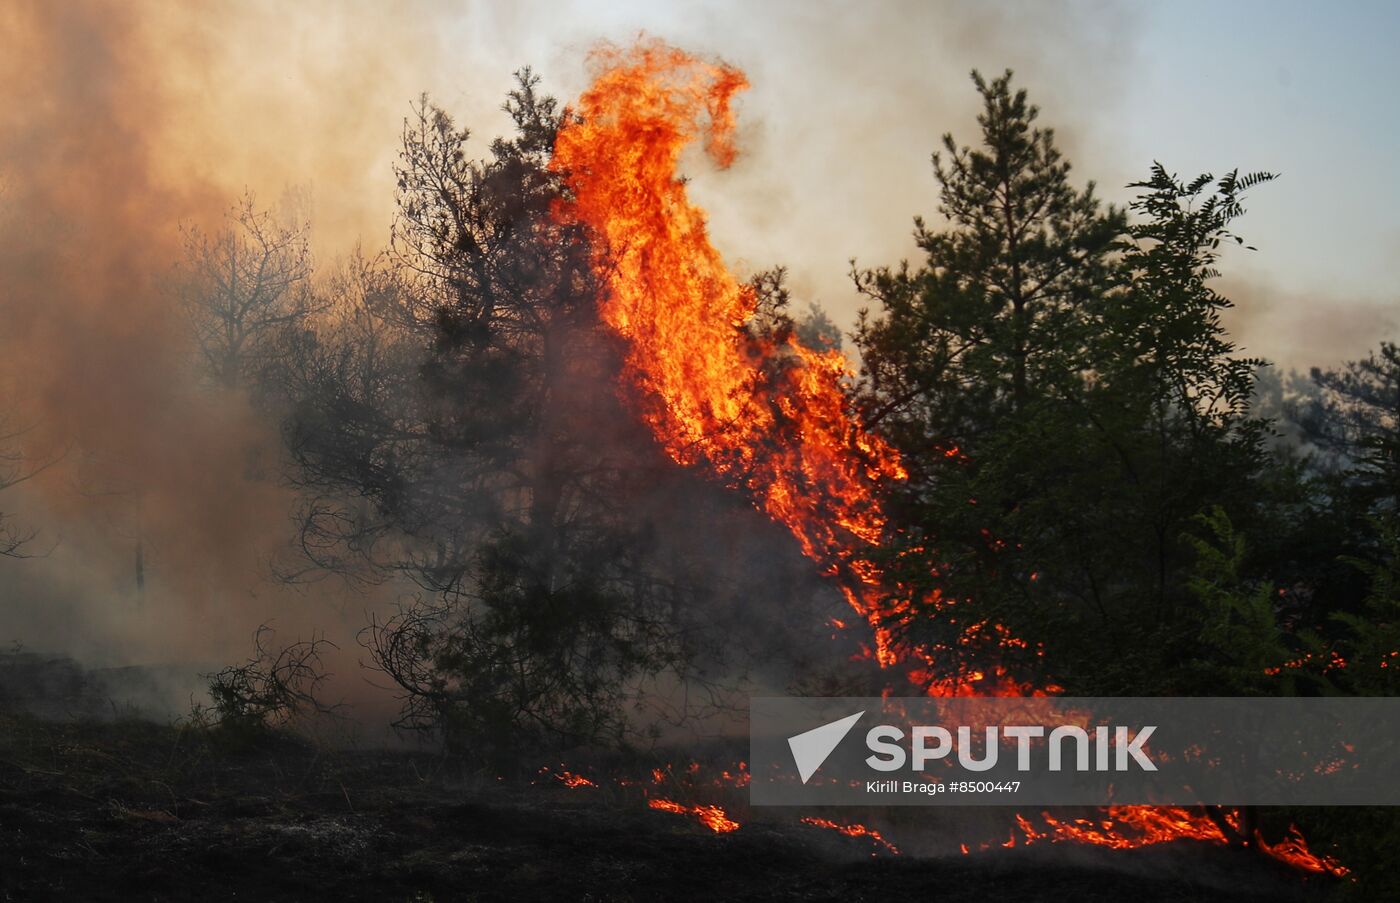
772 417
712 817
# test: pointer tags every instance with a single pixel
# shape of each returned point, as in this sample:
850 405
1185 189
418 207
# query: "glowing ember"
853 830
567 778
712 817
738 777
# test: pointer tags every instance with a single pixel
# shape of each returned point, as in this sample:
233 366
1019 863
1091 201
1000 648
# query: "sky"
1305 90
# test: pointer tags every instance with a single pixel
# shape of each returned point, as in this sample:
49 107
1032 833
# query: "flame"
1125 827
1129 827
712 817
737 777
771 416
563 776
1293 850
853 830
768 415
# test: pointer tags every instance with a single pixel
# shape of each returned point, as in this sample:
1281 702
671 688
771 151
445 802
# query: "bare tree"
242 286
16 468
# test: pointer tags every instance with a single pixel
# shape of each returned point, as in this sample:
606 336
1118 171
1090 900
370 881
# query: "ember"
573 781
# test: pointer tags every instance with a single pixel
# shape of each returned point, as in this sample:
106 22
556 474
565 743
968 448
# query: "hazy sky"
848 101
1306 90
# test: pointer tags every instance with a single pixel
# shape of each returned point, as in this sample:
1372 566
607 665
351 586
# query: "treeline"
1094 468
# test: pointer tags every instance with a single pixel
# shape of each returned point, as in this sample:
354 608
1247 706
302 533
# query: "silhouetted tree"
1358 417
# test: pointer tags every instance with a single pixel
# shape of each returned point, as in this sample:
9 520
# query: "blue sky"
1304 89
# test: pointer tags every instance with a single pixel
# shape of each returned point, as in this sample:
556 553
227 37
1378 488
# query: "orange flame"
1293 850
573 781
1129 827
712 817
853 830
772 417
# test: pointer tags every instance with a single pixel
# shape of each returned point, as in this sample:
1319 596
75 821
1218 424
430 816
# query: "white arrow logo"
810 749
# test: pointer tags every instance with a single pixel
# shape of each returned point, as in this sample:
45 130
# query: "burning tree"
498 414
458 423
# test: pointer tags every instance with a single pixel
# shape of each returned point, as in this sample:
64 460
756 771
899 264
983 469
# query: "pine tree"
970 351
1067 401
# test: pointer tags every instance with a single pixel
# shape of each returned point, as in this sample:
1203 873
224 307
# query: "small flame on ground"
567 778
1293 850
712 817
1131 827
854 830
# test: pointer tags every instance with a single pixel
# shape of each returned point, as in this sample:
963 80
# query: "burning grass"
131 809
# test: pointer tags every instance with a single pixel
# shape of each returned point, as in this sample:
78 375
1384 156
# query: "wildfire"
769 415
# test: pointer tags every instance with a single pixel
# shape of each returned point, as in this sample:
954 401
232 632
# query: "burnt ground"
141 811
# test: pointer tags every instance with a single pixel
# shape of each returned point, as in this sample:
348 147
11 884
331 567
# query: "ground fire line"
771 418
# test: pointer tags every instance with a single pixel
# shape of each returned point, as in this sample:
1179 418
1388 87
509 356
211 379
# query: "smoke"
93 359
156 502
120 122
1300 330
848 103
